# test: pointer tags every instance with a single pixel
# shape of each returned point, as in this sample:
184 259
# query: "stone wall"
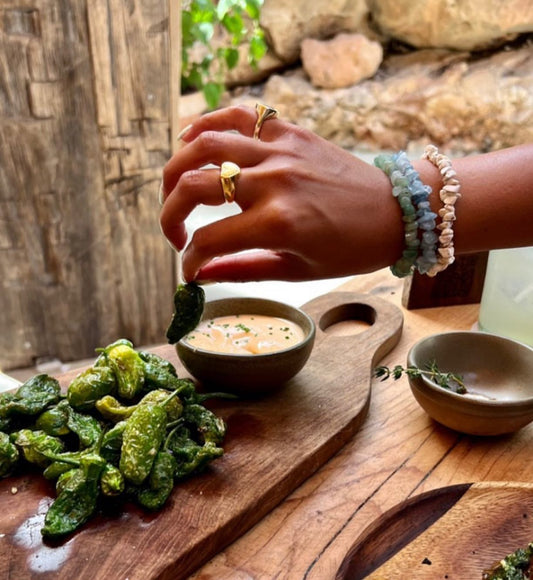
389 74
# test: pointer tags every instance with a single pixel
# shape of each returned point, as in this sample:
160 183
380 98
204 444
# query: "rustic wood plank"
460 283
398 452
174 8
84 135
273 444
99 24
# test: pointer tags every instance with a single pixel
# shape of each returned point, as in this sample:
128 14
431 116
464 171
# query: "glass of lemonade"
507 300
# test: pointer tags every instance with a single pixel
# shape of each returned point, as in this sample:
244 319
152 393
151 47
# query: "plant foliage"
204 68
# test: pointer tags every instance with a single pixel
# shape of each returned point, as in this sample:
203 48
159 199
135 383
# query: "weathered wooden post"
84 134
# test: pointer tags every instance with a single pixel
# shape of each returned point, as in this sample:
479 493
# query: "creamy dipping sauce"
245 334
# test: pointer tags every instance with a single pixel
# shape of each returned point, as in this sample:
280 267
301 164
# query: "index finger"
235 118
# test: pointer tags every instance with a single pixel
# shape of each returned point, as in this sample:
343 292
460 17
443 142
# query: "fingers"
255 265
201 187
212 148
209 139
246 231
198 187
236 118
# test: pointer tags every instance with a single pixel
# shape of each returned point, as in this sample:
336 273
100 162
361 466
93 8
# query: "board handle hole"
347 319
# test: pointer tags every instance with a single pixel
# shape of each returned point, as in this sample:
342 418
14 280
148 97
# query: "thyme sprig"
446 380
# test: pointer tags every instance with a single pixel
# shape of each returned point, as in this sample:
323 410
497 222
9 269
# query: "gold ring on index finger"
264 112
229 172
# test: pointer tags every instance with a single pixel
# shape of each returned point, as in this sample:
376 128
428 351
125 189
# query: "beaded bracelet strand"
412 196
449 194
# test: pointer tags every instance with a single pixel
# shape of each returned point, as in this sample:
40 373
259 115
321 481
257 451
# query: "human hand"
310 209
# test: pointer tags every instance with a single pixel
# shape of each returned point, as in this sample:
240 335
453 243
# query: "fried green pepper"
36 446
62 419
143 436
31 398
158 372
113 410
187 393
160 482
515 566
9 455
64 478
190 457
112 481
6 400
189 300
172 403
111 443
62 462
91 385
86 427
54 421
210 428
77 500
128 367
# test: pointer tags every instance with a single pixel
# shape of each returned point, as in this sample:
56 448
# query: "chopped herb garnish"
242 327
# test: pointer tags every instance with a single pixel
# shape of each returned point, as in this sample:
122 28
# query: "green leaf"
203 10
233 23
205 65
194 78
257 49
187 30
199 22
224 6
253 8
212 93
231 57
205 32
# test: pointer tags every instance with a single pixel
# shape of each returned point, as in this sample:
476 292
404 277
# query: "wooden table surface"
398 453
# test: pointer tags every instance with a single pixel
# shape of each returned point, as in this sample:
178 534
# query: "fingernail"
184 132
161 195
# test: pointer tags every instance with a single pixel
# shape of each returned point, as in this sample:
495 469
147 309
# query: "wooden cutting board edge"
385 322
385 540
385 326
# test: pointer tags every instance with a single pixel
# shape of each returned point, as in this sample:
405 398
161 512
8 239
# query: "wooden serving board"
453 533
273 444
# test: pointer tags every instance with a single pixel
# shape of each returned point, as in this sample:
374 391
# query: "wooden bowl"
248 374
497 372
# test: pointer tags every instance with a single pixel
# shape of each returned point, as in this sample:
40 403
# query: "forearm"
311 210
496 205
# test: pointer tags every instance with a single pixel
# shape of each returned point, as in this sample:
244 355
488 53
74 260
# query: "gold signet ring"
228 177
264 112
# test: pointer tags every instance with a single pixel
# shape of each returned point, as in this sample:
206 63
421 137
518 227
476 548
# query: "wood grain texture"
453 532
398 453
273 444
84 135
461 283
390 533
